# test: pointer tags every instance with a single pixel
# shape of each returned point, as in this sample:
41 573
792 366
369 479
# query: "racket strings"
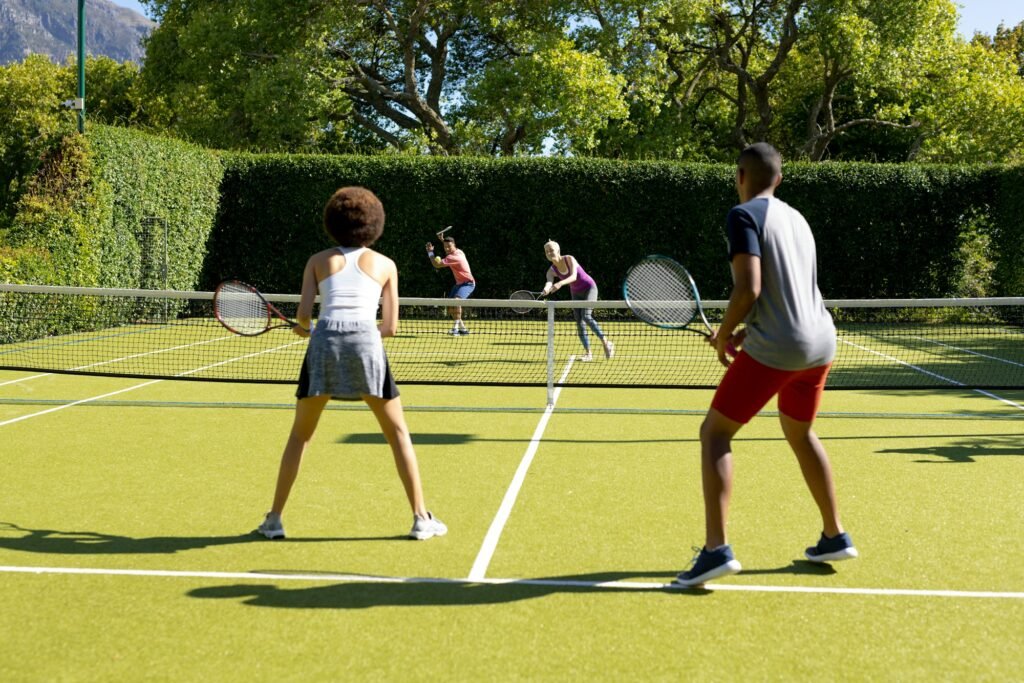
661 293
241 309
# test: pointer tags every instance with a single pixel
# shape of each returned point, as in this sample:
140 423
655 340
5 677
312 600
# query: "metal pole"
80 101
551 351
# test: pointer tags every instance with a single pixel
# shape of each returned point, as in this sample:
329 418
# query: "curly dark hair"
354 217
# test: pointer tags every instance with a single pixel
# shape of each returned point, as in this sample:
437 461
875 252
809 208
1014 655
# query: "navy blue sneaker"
709 564
833 549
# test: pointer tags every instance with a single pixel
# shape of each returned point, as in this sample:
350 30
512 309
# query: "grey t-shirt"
789 327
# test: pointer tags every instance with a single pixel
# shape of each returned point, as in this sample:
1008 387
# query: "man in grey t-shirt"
787 346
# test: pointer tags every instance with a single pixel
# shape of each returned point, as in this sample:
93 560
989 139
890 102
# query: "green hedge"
96 213
881 230
95 216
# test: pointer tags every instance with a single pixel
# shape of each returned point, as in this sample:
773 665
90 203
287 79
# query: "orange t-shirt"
459 265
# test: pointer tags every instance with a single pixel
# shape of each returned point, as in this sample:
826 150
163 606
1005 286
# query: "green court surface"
126 549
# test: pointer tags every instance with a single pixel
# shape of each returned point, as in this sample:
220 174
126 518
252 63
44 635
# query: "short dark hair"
449 240
762 163
354 217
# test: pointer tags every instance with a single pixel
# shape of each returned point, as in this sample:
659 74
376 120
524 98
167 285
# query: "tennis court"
127 507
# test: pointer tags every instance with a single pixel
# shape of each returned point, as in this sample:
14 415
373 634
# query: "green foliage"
52 239
96 213
164 196
1008 231
883 230
31 118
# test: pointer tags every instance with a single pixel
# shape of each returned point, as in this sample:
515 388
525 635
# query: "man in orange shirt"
464 283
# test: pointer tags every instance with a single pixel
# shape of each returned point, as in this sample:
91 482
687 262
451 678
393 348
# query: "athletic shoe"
609 350
709 564
586 358
427 527
454 332
833 549
271 526
463 331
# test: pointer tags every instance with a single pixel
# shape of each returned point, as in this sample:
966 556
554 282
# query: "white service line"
144 384
483 558
24 379
122 359
75 403
973 353
554 583
935 375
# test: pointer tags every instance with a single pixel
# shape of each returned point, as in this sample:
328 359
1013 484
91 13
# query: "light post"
80 100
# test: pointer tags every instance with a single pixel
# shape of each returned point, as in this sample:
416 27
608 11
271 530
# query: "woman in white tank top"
345 359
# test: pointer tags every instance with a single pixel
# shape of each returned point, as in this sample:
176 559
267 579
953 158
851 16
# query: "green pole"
80 102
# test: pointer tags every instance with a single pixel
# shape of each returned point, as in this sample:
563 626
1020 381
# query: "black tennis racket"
662 293
243 310
523 295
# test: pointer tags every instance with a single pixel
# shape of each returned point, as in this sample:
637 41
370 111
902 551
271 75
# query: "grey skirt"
346 360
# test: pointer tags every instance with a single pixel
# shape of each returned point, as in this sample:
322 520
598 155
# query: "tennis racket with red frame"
662 293
243 310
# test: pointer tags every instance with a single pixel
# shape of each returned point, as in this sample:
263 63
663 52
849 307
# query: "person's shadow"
425 592
52 541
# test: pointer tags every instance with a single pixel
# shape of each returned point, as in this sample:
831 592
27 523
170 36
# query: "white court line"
144 384
141 354
24 379
483 558
973 353
935 375
78 402
554 583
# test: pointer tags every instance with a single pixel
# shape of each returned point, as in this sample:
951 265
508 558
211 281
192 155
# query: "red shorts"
748 385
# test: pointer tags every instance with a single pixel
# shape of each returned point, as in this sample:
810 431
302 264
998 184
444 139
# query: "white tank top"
350 294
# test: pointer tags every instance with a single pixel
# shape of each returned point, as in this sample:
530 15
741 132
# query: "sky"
975 15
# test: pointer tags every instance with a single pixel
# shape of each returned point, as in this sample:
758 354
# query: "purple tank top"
582 283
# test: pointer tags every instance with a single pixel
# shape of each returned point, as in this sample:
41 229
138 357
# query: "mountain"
50 27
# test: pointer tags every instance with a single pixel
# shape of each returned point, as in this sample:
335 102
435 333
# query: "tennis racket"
440 233
662 293
523 295
243 310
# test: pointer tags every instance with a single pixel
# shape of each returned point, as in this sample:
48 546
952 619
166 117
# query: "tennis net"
883 344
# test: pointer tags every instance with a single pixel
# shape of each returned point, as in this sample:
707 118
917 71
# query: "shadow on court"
433 593
51 541
798 568
420 439
966 451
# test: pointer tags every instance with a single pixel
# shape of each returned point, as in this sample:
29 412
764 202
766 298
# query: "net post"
550 305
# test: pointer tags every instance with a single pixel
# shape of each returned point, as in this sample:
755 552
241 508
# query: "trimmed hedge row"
96 216
109 209
882 230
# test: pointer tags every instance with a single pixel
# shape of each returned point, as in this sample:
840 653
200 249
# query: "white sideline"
483 557
144 384
933 374
554 583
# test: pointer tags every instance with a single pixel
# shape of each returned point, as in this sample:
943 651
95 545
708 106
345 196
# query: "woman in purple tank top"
566 271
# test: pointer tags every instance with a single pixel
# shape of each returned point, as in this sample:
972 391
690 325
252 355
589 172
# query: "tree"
322 74
555 94
31 117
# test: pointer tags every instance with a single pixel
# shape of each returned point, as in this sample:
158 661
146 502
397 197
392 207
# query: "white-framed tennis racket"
523 295
662 293
243 310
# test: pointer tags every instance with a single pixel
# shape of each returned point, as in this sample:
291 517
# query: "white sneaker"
271 526
586 358
427 527
609 350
